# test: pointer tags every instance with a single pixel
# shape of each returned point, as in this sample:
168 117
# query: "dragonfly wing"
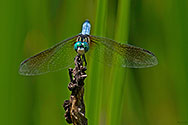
55 58
125 54
102 52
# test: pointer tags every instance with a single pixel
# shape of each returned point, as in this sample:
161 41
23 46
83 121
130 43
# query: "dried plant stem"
75 107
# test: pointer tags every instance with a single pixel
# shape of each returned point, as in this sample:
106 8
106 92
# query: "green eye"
80 44
86 46
77 44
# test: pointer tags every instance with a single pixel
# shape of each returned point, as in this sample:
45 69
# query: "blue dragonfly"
61 55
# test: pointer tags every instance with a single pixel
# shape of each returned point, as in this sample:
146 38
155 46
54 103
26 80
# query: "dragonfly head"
81 47
86 27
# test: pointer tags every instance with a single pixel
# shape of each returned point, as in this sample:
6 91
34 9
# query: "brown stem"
75 107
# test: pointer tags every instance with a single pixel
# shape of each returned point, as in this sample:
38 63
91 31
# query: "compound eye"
77 44
86 46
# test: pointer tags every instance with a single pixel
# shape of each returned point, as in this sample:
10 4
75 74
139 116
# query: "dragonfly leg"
70 74
83 56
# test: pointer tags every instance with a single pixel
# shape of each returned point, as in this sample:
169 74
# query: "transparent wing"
124 54
55 58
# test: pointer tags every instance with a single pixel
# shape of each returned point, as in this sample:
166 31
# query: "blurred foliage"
113 96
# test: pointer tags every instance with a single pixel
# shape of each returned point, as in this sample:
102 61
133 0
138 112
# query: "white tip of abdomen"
86 27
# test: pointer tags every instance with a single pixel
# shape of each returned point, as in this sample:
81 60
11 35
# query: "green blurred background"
113 96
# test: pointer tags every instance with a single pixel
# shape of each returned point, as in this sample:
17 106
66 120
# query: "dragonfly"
61 55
